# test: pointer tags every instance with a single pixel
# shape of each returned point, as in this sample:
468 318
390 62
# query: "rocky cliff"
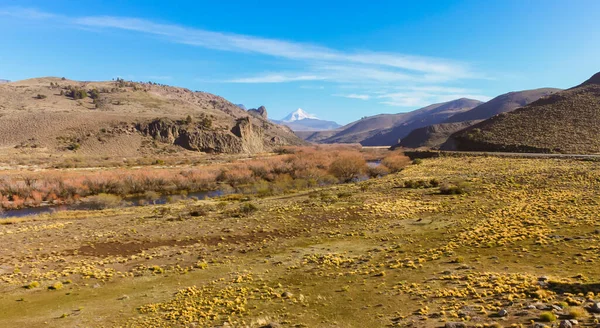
243 137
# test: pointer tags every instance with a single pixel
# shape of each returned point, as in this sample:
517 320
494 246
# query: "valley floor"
524 237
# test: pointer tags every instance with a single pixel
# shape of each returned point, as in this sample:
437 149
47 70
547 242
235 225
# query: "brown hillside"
432 114
364 128
115 117
565 122
437 134
432 136
373 130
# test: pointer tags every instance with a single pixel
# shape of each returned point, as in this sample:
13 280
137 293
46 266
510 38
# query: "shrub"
102 201
74 146
417 161
244 209
377 171
395 162
32 285
56 286
547 317
40 96
94 94
201 210
421 183
348 166
576 312
459 259
453 189
151 196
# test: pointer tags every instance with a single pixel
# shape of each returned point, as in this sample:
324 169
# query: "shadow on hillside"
574 288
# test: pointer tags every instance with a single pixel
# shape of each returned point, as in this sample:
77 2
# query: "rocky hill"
564 122
127 118
502 104
435 135
429 115
375 130
432 136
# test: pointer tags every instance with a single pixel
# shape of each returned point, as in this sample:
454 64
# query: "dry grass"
347 255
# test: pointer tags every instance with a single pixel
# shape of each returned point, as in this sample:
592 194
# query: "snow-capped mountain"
299 120
297 115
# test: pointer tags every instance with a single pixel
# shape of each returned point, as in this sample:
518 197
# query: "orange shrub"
348 166
396 161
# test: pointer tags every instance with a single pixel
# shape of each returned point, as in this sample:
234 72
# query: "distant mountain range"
437 134
565 122
4 81
386 129
300 120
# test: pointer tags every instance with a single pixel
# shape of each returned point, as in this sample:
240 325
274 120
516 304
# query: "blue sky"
340 60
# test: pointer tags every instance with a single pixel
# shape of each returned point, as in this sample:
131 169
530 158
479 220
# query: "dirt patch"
247 238
125 249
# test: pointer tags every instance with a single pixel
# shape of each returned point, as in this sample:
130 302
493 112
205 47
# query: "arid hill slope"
432 136
502 104
565 122
435 135
432 114
369 131
126 118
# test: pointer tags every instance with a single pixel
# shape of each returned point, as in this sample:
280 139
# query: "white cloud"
394 79
353 96
276 78
25 13
279 48
432 69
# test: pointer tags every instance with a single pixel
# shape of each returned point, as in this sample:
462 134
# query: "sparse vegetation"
490 255
76 93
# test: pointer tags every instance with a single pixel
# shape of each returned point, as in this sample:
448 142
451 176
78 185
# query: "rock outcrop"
260 111
243 137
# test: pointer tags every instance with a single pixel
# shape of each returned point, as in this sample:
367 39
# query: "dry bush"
236 175
102 201
298 168
348 166
453 189
396 161
377 171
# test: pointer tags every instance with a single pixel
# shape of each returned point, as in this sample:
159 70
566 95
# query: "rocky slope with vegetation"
564 122
431 114
386 129
435 135
125 118
432 136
